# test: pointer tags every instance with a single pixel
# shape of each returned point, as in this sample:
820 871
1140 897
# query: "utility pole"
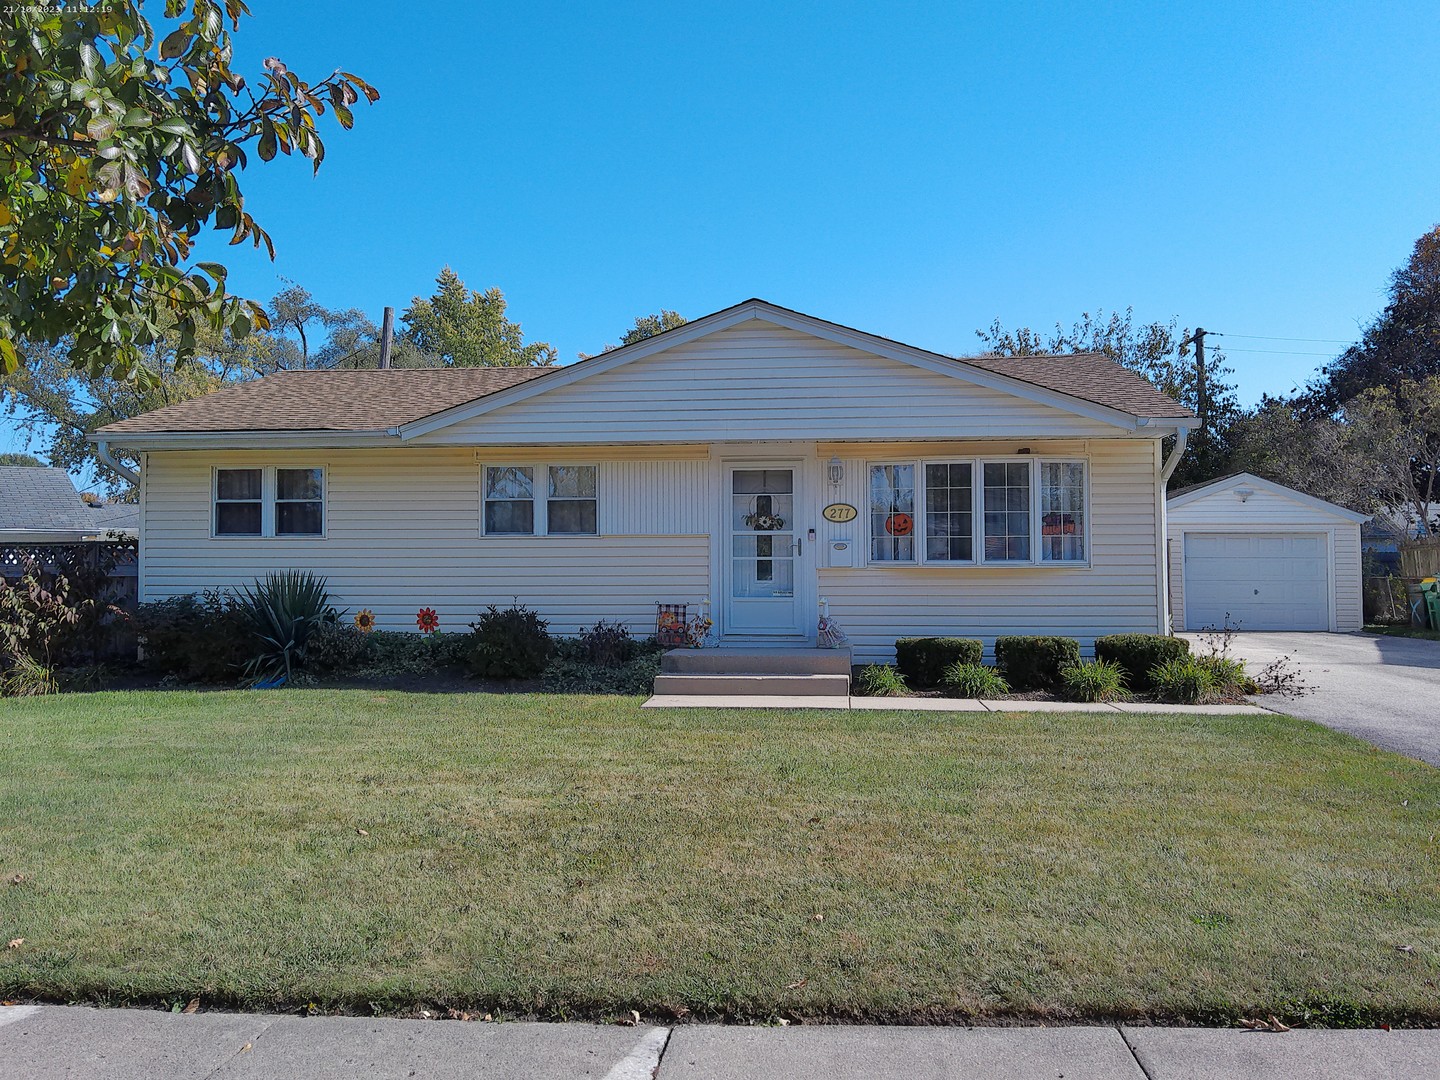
387 332
1202 390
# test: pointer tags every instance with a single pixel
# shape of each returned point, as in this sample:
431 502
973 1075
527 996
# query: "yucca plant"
281 610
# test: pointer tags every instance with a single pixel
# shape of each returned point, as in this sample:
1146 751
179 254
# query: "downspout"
1167 469
1182 436
102 452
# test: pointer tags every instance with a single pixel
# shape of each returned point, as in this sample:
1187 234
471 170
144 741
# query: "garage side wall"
1222 511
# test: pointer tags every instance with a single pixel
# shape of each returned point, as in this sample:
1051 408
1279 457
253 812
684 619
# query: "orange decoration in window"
899 524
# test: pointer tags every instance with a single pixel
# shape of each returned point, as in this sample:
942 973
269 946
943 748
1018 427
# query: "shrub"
1229 673
1102 680
1184 680
36 620
974 680
510 644
281 610
1035 662
195 638
923 660
880 680
608 643
572 671
1137 654
336 648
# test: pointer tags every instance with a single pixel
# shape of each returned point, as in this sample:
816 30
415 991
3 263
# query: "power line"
1264 337
1273 352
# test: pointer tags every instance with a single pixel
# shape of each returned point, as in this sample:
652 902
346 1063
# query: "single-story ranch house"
757 458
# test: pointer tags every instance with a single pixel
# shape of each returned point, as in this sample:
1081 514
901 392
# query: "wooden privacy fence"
106 571
1420 558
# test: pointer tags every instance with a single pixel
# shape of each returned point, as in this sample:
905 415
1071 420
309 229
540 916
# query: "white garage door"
1260 581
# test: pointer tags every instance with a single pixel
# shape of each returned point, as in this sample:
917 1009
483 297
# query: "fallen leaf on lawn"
814 820
363 832
818 917
1384 1027
246 1048
782 1021
1276 1025
15 943
796 985
193 1007
1405 948
629 1021
487 1018
19 879
1253 1025
456 1014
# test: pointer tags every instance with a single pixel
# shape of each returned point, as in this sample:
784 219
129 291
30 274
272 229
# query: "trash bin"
1430 590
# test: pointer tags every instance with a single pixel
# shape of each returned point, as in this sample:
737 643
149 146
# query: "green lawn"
1403 631
574 856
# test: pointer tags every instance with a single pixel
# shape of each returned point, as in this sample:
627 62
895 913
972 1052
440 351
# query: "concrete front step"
754 684
757 661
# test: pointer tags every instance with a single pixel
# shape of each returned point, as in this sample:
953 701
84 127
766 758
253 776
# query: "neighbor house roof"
1230 481
370 400
43 500
377 401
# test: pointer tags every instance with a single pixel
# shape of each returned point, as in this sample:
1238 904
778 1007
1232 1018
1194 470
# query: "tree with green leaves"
29 461
117 148
646 326
466 328
1152 351
1402 342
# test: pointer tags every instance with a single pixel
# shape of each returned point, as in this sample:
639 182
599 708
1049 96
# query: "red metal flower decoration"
427 620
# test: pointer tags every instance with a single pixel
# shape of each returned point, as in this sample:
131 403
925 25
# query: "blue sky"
914 169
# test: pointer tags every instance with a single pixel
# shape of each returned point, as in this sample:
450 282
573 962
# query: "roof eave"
242 440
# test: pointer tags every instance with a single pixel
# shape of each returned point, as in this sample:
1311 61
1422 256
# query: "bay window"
977 512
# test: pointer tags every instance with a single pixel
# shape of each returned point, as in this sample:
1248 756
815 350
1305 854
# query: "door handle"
799 547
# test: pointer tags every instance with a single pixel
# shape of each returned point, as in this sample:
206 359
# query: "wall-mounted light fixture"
836 471
1244 493
1023 450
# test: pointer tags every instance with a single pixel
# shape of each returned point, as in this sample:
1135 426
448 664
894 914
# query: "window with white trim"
949 511
239 502
1063 512
892 513
570 504
269 501
509 500
299 502
1006 500
978 511
540 500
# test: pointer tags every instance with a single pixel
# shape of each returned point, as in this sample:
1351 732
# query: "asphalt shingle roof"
44 500
367 400
1092 377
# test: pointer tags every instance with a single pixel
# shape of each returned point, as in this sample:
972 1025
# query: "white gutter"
102 451
1182 436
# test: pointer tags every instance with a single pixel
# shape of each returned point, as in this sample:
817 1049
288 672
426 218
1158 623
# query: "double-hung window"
978 511
540 500
269 501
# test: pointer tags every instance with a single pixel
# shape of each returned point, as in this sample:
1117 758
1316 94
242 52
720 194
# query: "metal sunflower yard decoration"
365 620
427 620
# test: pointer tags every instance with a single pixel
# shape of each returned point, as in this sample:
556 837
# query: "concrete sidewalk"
49 1042
935 704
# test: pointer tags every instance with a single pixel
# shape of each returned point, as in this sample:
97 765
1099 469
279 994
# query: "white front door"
763 552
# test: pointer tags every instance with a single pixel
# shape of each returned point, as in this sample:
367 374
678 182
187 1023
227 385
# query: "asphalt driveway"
1383 689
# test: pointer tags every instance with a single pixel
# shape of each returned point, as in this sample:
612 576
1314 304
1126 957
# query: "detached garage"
1263 556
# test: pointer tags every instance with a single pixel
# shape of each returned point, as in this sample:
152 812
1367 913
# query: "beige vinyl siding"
1117 593
761 381
1221 511
402 531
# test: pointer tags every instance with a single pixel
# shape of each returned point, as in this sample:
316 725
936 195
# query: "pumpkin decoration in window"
899 524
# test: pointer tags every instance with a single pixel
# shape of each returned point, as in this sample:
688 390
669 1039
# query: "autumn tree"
466 328
1402 342
118 147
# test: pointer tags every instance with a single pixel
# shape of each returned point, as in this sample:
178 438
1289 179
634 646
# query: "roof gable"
1084 385
1226 485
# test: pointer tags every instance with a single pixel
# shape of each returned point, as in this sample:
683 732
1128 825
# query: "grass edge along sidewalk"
553 856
